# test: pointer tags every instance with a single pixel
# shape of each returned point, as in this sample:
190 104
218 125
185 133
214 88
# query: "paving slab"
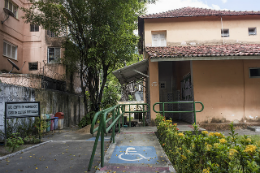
184 128
136 150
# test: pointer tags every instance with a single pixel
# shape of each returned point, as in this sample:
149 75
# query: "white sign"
131 151
22 109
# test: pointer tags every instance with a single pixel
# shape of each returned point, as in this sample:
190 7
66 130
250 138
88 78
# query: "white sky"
239 5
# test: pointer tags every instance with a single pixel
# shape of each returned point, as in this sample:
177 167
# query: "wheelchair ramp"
136 150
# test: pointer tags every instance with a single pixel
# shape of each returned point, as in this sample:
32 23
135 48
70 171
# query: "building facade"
203 55
33 49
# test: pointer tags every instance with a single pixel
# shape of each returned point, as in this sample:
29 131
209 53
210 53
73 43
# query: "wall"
202 30
219 85
50 101
252 92
153 87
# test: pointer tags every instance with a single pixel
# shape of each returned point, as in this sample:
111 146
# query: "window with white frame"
12 7
159 39
251 31
10 50
34 28
224 32
53 54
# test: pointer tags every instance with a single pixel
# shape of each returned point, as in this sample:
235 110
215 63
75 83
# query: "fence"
117 112
178 102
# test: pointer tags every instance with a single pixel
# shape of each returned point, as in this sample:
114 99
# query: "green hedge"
208 152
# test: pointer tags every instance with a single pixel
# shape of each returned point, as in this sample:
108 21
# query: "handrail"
194 109
147 110
117 112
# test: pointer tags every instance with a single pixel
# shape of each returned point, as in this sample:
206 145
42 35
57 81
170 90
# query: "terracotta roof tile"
191 12
204 51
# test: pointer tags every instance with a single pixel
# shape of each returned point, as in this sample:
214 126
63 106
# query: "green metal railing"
117 112
176 102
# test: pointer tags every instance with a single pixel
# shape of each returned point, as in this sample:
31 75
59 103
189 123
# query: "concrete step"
254 128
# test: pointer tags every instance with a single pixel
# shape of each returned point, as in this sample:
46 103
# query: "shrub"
14 142
207 152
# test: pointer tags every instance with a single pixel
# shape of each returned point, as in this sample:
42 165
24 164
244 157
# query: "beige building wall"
252 92
153 87
226 90
203 30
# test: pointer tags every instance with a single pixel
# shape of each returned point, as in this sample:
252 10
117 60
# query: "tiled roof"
204 51
191 12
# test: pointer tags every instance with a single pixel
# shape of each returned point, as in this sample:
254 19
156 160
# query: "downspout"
244 82
222 29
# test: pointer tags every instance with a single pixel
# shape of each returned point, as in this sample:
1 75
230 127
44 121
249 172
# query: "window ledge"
10 58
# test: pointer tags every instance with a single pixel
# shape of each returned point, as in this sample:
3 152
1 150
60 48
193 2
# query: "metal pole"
118 113
113 131
163 110
129 117
5 126
143 116
102 146
194 109
94 148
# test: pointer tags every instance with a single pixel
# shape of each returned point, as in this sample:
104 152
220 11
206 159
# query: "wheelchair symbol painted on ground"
131 151
134 154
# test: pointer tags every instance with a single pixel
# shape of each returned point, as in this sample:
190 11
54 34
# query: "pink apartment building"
33 49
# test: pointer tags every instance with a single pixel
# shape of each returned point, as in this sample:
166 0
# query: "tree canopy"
98 36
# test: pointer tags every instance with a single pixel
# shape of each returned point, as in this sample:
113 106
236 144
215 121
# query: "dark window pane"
33 66
31 28
255 72
36 28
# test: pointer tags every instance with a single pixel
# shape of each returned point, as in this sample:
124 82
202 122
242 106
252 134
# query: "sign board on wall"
22 109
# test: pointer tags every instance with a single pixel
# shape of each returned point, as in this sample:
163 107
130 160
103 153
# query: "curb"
171 168
21 151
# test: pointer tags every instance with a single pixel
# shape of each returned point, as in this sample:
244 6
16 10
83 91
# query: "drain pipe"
222 29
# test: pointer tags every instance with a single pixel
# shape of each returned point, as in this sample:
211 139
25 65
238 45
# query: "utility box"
60 115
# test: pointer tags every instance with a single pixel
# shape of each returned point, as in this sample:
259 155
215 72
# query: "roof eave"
160 59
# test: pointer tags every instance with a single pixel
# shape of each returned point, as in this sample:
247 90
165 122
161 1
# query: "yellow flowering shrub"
216 145
250 149
183 157
222 141
204 132
206 170
180 134
207 152
208 147
211 134
232 153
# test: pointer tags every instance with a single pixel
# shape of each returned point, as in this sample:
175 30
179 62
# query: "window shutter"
155 40
162 40
56 53
4 49
10 6
6 3
13 52
48 54
8 53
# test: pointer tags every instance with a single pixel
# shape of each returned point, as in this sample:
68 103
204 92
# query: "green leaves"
14 141
208 152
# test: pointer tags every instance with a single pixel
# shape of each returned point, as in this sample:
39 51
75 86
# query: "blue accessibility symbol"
134 154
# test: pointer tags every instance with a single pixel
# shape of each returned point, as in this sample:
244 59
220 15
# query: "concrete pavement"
67 152
136 150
